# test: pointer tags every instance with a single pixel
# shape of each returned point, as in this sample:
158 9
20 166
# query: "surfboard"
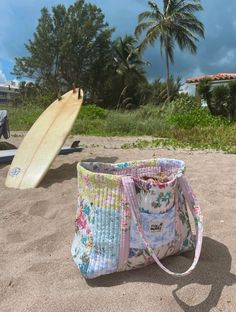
6 156
43 141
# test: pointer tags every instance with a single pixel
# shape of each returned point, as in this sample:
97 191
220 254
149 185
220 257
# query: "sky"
217 53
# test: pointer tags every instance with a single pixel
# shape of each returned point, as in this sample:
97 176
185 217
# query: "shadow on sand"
60 174
102 159
213 269
69 171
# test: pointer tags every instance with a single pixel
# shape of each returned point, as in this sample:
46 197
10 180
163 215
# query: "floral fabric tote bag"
132 214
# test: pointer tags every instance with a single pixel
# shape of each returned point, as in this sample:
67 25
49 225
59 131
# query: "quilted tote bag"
132 214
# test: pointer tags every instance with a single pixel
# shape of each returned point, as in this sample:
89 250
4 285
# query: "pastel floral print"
125 223
132 214
162 197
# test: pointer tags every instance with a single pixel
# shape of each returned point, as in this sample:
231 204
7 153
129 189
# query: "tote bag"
132 214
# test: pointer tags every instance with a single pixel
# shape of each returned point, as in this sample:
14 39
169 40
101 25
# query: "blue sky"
217 53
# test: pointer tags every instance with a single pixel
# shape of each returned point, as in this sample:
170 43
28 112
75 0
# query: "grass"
22 118
187 129
174 143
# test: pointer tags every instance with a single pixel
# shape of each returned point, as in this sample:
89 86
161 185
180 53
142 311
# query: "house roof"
215 77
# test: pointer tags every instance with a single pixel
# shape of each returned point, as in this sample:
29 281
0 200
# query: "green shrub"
92 112
183 104
197 117
89 127
204 89
220 95
162 112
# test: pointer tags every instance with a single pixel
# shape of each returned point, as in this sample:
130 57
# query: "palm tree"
129 66
176 24
128 59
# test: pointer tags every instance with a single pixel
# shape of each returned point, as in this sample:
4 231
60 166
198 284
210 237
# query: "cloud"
228 58
2 77
215 54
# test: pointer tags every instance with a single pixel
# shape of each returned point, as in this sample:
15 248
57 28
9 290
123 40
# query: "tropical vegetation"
175 24
75 45
221 99
180 124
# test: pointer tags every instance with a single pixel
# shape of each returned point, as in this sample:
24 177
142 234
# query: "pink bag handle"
129 189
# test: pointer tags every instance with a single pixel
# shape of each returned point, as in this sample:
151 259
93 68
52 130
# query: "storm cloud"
217 53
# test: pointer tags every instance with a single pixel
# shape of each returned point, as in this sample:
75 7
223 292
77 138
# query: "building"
216 79
8 93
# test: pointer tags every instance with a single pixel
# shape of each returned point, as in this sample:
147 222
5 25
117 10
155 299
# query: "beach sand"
37 272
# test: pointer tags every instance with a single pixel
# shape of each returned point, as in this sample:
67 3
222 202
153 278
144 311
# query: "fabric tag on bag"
156 226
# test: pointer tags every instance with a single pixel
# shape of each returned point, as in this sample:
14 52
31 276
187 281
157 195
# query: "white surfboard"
43 141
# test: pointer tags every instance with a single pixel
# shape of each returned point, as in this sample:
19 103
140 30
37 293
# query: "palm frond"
146 16
176 24
189 7
142 27
186 40
151 36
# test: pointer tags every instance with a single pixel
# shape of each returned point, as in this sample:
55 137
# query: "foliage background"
76 45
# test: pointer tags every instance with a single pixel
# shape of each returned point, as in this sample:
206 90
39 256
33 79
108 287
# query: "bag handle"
129 189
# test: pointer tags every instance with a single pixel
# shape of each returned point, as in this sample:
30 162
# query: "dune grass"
195 128
22 118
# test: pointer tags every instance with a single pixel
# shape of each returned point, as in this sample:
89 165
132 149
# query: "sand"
37 272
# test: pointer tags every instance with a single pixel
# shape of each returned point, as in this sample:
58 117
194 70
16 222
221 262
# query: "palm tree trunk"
167 73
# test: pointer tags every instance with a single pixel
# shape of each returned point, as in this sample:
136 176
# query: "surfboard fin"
79 94
79 91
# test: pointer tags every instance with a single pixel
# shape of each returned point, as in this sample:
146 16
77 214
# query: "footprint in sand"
43 267
42 209
45 245
14 237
